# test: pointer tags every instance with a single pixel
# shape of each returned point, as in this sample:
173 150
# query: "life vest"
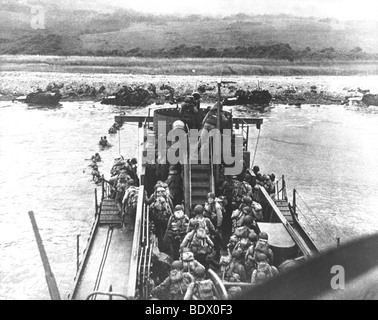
204 290
160 210
178 222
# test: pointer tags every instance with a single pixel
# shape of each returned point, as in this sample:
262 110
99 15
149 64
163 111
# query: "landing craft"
119 263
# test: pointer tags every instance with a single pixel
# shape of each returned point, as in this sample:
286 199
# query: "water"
327 153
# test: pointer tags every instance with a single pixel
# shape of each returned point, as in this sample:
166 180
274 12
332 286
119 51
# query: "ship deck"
108 259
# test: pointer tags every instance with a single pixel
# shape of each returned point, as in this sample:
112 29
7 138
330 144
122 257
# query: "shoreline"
94 87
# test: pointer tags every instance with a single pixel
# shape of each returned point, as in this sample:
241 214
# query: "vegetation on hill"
94 31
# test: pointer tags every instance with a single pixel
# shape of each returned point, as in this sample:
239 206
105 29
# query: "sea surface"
329 154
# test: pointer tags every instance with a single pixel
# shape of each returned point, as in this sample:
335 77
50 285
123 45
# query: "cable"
257 143
311 226
325 229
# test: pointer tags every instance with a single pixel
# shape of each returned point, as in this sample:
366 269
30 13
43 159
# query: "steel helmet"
263 235
260 257
196 95
247 200
178 208
247 221
211 195
237 254
252 236
198 209
178 125
247 210
200 272
177 265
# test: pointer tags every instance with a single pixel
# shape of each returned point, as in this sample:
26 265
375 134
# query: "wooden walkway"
108 259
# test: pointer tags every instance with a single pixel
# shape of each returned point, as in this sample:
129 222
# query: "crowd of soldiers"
221 234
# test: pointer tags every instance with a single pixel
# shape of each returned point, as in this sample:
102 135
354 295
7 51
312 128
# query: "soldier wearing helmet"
200 221
175 285
176 230
214 211
190 110
201 288
262 246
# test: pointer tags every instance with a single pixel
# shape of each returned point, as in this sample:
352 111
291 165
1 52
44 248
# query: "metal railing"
281 193
110 294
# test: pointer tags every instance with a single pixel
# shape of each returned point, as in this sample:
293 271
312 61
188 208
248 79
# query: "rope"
325 229
257 143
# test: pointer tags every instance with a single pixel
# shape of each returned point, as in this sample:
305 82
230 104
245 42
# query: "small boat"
40 98
117 263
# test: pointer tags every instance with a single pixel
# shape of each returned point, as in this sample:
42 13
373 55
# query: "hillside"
96 31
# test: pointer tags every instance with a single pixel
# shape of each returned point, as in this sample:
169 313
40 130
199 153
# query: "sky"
339 9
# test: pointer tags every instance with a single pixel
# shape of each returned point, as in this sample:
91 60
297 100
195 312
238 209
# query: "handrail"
306 250
136 245
110 294
212 173
187 179
281 193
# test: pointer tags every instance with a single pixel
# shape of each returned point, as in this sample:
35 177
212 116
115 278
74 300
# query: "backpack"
242 232
132 199
199 244
204 290
237 219
179 283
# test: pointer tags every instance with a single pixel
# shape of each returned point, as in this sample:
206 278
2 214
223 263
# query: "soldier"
190 110
130 203
175 184
200 221
175 285
176 230
201 288
188 261
200 244
263 271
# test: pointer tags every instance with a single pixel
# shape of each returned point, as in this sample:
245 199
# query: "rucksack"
242 232
179 283
199 244
204 290
132 199
237 219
